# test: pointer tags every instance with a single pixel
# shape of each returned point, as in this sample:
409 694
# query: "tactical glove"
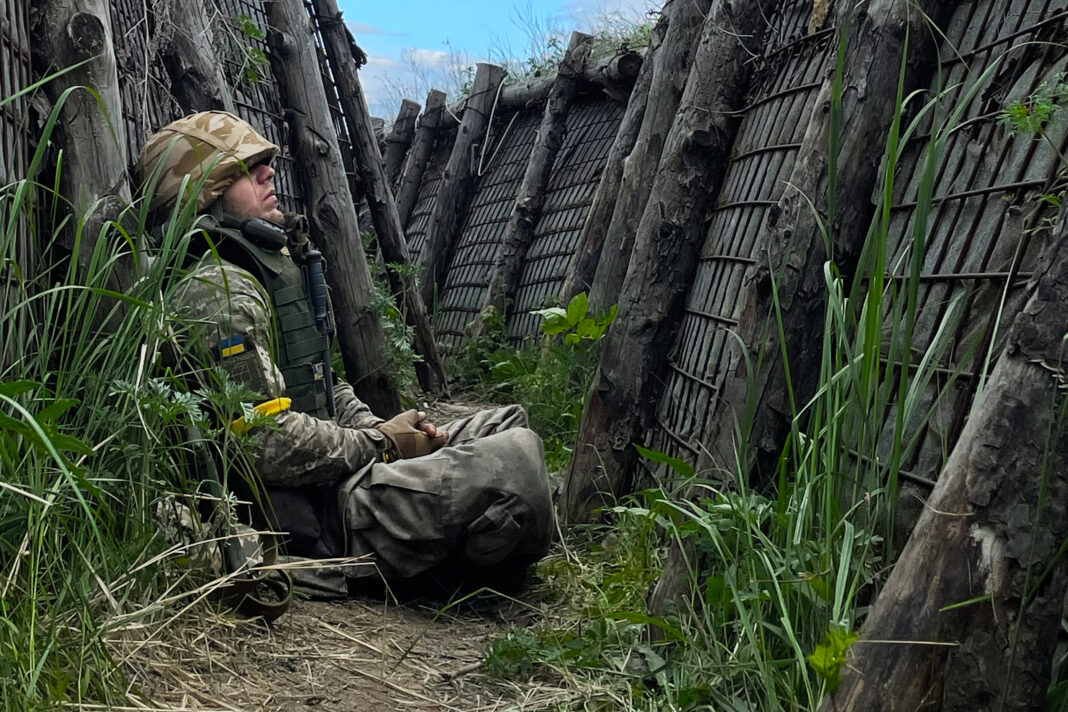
407 437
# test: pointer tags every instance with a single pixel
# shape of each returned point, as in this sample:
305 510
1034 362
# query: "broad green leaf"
555 325
587 329
13 388
670 631
680 466
576 309
550 312
55 410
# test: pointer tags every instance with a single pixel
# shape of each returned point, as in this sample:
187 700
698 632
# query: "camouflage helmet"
214 141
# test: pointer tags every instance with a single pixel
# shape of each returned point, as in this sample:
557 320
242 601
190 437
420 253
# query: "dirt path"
364 654
352 656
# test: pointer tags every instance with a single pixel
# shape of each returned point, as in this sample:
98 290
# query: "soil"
355 655
362 654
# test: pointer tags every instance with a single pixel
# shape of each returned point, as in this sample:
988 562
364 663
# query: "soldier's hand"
412 436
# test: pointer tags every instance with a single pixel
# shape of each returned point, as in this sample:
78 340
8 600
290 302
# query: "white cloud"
362 28
388 79
380 62
426 57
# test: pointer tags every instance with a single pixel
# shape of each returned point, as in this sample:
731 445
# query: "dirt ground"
362 654
356 655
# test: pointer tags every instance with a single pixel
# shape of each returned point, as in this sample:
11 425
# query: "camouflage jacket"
227 305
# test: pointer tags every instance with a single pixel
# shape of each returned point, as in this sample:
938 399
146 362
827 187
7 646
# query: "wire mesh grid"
591 128
337 114
16 140
762 159
143 83
483 226
241 42
980 243
16 134
415 232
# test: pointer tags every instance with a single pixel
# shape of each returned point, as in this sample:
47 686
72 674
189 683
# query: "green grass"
92 431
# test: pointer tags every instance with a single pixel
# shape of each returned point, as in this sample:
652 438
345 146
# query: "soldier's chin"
275 216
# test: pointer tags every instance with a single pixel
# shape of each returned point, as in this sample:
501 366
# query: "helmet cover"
224 145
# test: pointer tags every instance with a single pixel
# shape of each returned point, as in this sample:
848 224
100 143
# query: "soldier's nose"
264 172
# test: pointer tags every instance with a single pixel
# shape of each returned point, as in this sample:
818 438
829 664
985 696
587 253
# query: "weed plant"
549 379
92 438
399 336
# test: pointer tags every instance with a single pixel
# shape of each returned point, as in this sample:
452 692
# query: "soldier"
471 497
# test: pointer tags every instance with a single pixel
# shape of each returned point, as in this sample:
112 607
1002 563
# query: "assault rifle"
315 281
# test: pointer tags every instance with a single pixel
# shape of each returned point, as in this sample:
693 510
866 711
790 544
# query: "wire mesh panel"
240 36
763 156
483 227
16 138
980 244
415 232
144 85
337 114
591 128
18 259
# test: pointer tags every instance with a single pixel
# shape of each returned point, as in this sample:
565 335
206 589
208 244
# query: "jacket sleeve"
351 412
305 450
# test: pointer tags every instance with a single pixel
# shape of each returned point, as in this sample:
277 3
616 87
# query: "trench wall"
977 246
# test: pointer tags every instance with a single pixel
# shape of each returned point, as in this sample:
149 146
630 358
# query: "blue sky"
415 44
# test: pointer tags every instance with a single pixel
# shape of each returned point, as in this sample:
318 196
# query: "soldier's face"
253 196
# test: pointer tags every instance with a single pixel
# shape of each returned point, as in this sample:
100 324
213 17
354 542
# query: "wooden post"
331 213
668 82
399 140
90 130
197 80
457 178
791 240
635 152
426 136
504 276
671 232
388 229
971 612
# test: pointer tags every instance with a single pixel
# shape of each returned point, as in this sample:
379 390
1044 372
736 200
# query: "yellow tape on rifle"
271 407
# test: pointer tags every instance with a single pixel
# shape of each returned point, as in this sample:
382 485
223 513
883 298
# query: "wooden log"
669 237
620 70
399 140
426 136
519 233
615 75
90 130
456 180
377 192
583 265
793 252
331 213
668 81
988 538
197 80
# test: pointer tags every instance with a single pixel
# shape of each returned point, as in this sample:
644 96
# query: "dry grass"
353 655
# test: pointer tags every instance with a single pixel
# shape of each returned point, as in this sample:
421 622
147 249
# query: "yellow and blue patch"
232 346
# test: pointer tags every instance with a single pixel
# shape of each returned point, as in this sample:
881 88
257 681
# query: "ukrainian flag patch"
232 346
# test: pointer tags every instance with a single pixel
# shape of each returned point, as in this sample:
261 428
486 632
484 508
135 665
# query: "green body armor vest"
301 344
